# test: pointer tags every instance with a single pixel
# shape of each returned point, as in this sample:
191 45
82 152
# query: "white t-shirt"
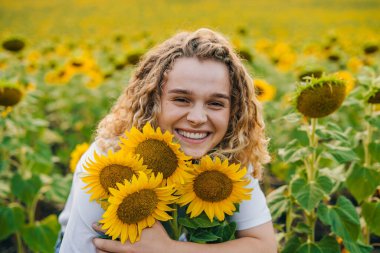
80 213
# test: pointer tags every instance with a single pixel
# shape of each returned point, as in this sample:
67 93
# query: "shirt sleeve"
253 212
80 213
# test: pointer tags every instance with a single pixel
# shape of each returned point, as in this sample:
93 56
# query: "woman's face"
195 104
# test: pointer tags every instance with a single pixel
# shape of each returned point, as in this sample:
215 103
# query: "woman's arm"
80 213
260 239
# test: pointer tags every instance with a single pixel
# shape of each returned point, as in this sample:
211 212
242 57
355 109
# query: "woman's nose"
197 115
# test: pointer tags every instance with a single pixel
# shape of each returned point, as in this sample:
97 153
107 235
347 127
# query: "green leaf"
187 222
228 232
59 188
25 189
362 182
41 158
332 132
357 247
309 194
302 228
4 163
342 218
278 201
309 247
296 154
42 236
201 221
328 244
336 174
5 186
374 121
292 245
341 154
203 236
374 150
11 219
371 214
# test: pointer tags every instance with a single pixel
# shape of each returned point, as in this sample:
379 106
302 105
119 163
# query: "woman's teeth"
189 135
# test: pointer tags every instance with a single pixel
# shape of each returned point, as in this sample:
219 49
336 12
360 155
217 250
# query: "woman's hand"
154 239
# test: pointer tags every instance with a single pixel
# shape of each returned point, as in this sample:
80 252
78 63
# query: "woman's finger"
110 245
102 251
97 227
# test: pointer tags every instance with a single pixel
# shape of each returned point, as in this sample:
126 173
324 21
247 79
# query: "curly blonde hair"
245 140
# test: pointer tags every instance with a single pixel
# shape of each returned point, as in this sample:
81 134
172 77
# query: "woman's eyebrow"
180 91
221 95
187 92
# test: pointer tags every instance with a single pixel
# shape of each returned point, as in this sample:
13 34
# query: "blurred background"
63 64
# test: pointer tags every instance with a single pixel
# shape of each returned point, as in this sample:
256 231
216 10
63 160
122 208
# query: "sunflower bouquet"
151 179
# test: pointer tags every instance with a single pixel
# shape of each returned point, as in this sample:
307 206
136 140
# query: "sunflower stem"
20 248
368 138
32 209
313 142
311 219
289 221
174 224
367 163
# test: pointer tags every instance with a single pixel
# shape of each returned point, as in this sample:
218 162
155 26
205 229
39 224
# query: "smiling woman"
195 104
195 87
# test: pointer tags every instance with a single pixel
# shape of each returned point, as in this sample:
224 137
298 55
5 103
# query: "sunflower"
13 44
371 47
320 97
159 153
77 153
59 76
264 91
348 78
10 93
105 171
136 205
214 188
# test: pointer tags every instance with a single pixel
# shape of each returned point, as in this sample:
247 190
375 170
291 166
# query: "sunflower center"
9 96
212 186
137 206
158 156
114 173
321 100
259 91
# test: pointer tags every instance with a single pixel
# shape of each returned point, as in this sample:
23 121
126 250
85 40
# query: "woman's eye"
216 104
180 100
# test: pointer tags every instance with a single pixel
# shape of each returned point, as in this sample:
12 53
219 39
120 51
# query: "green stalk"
311 219
367 140
22 165
314 145
32 209
176 227
367 163
311 174
289 221
20 248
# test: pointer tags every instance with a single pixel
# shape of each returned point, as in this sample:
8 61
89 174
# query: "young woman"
196 87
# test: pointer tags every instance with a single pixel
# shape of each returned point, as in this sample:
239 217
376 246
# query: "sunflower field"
316 69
